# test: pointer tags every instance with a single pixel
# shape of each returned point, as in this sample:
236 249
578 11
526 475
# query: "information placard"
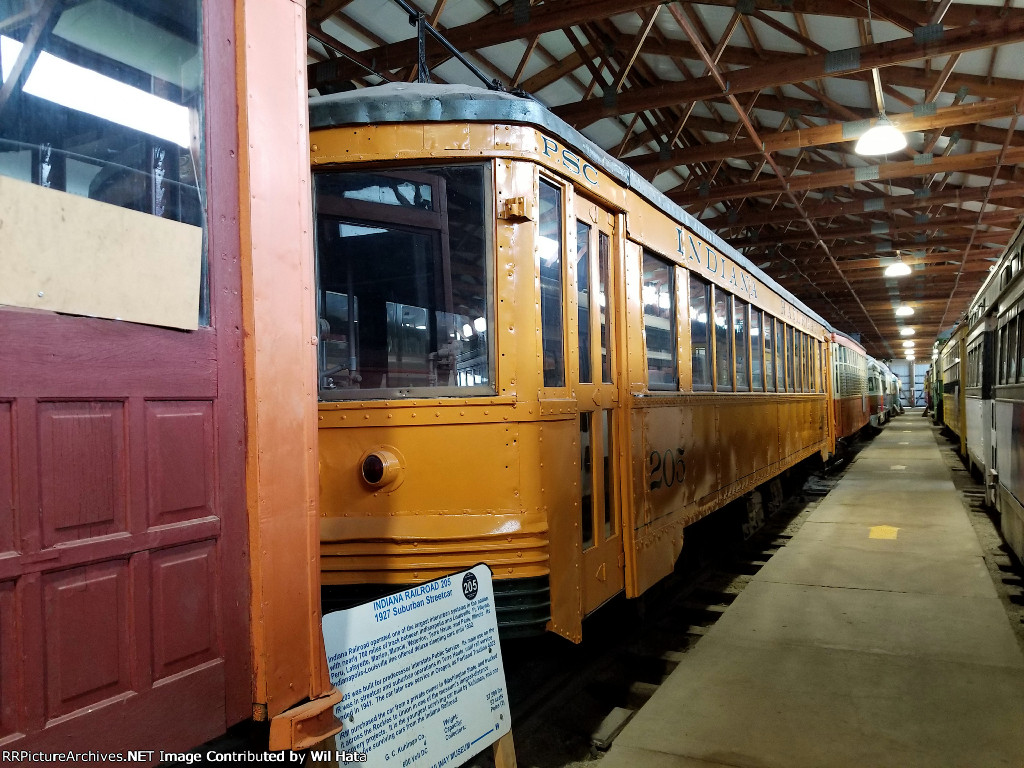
420 674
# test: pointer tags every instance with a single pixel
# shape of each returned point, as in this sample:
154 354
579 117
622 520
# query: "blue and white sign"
420 674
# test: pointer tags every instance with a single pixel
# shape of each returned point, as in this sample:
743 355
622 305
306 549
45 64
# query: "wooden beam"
1008 219
812 67
1011 194
972 162
823 135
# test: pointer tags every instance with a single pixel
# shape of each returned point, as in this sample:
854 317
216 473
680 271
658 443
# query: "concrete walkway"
875 638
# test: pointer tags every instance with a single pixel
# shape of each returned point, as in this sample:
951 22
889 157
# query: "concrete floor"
875 638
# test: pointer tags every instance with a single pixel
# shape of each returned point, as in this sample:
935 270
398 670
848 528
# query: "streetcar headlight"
382 468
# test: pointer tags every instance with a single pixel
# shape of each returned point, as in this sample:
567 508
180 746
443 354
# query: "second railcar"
530 358
850 409
952 358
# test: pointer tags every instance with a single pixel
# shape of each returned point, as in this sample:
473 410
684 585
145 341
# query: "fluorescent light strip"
88 91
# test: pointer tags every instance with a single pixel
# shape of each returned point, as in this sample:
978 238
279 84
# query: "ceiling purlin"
811 67
1002 219
913 11
969 163
1010 195
318 11
830 135
897 75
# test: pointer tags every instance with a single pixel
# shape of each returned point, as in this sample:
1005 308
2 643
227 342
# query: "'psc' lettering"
571 161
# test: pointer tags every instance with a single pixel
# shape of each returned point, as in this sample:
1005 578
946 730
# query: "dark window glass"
604 248
609 496
583 299
790 359
723 340
780 354
1011 352
742 341
1020 352
549 253
700 343
659 298
392 320
756 350
586 480
798 339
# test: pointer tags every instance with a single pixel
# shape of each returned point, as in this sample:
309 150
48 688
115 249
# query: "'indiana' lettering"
712 261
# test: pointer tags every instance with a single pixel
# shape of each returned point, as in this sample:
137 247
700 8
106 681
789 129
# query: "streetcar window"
780 354
604 249
798 352
741 337
769 352
586 480
1002 355
1020 353
403 280
805 363
583 299
723 341
659 299
700 358
1011 350
756 351
549 255
790 359
609 496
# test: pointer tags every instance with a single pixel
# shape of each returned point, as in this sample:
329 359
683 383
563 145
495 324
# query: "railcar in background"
936 384
1007 472
979 378
850 408
531 358
877 390
952 359
893 394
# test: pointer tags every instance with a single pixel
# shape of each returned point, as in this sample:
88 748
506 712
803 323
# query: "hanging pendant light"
898 268
882 138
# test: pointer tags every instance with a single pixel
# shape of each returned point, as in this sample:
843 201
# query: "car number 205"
666 468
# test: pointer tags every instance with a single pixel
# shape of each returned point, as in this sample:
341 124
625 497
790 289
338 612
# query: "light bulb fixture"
898 268
910 356
906 331
908 344
882 138
903 310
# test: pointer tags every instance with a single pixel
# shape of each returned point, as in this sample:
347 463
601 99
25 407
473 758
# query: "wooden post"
505 752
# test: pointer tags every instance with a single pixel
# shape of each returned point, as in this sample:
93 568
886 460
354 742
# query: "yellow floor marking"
883 532
897 466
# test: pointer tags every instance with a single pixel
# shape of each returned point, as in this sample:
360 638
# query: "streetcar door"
595 390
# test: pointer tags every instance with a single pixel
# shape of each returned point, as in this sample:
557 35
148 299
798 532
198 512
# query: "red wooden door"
124 589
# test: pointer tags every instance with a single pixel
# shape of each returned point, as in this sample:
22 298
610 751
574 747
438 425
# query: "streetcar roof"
440 103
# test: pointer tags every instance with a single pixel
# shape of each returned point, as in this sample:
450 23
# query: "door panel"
596 392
